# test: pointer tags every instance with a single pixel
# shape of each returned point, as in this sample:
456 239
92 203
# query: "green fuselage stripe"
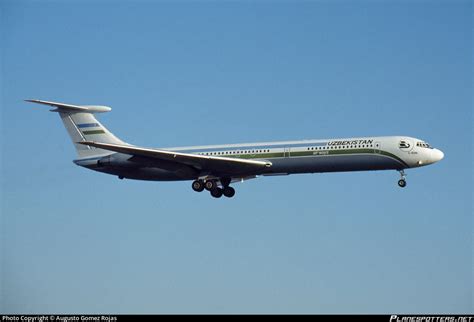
270 155
93 132
390 155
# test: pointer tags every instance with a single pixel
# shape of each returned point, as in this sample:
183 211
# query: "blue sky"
193 73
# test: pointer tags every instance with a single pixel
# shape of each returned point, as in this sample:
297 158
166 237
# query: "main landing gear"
213 188
402 182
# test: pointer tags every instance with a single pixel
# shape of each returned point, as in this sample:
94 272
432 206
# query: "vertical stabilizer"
81 125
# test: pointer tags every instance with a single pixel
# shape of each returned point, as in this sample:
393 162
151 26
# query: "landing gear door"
377 147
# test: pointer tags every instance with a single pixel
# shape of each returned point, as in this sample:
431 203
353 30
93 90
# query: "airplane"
215 167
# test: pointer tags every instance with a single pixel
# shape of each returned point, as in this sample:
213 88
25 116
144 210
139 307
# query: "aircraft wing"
212 164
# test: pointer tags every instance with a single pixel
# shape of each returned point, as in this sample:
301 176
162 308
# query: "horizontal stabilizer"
61 107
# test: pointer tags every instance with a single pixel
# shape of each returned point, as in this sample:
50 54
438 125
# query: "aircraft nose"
437 155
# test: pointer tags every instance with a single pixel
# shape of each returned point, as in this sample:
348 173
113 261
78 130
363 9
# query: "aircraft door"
286 152
377 147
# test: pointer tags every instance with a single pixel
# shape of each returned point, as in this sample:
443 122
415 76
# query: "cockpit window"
423 145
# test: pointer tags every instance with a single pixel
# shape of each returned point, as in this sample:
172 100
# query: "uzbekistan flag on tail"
90 128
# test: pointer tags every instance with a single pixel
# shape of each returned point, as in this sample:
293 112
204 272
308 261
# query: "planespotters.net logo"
419 318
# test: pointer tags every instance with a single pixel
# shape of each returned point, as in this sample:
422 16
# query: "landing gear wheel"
198 185
210 185
225 181
229 192
216 192
402 182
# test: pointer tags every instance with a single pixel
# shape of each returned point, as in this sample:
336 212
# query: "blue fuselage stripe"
87 125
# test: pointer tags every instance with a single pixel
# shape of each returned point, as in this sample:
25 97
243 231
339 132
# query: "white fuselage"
289 157
215 167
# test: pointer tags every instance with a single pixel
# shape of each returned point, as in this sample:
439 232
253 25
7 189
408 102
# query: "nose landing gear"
402 182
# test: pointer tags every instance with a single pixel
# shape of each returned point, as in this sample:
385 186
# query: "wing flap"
215 165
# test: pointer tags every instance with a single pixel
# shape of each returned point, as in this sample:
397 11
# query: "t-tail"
81 125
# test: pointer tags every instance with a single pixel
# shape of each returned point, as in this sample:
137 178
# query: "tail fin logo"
90 128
